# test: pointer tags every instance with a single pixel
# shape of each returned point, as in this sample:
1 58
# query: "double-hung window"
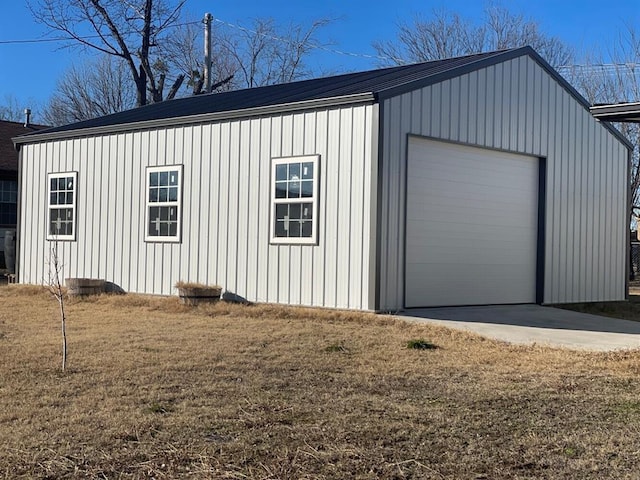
164 198
62 206
294 199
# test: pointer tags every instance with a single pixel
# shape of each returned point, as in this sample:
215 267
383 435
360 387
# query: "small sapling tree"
54 285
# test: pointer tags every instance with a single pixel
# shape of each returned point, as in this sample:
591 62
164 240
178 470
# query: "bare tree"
10 109
54 285
615 78
91 90
263 54
134 30
446 34
185 48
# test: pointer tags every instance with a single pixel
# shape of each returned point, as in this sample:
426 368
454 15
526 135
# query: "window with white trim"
294 199
164 198
62 206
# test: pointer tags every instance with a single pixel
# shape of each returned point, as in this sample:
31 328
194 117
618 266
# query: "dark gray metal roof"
372 85
377 82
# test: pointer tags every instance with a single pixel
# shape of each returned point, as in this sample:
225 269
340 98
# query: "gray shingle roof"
378 82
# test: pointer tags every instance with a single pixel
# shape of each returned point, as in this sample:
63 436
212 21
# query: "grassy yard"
157 390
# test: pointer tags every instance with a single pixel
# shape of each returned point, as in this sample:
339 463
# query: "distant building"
9 177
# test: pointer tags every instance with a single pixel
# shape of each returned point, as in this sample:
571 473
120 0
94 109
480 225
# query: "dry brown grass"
158 390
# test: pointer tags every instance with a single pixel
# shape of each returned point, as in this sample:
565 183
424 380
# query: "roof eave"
617 112
359 98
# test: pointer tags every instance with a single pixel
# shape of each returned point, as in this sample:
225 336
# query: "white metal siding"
516 106
472 221
226 208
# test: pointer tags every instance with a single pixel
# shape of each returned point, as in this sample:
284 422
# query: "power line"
313 46
228 24
84 37
600 66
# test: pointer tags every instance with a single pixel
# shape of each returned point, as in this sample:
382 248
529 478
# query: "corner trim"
541 240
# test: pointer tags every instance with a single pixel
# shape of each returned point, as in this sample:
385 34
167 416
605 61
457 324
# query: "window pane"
61 183
62 198
280 231
153 179
294 229
173 194
53 184
294 171
173 214
173 178
153 232
282 210
153 194
154 213
307 170
53 198
281 190
70 198
294 190
307 211
164 178
294 211
164 214
173 229
307 188
162 194
307 229
164 229
70 183
281 172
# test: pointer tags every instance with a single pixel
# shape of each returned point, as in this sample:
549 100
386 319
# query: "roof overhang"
617 112
359 98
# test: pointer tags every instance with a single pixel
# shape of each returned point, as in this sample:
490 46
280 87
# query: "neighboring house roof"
8 153
617 112
372 85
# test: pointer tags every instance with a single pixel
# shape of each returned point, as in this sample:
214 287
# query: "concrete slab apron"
535 324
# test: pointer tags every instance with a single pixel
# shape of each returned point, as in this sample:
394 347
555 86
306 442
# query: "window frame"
313 239
72 206
177 203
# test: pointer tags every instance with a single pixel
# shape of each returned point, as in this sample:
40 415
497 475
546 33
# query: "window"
294 199
62 206
8 202
164 195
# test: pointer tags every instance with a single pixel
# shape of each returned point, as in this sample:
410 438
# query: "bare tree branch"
445 34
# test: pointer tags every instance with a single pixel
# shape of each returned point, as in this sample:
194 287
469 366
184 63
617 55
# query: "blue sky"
28 72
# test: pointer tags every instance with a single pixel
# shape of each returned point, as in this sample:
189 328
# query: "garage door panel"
471 225
511 255
468 291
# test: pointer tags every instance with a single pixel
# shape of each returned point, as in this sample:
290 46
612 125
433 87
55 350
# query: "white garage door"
471 225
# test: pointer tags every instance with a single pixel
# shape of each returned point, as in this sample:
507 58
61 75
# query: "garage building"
475 180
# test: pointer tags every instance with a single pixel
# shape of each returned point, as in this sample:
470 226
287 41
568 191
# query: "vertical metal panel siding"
226 208
516 106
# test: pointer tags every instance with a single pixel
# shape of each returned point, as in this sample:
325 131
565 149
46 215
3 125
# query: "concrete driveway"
529 324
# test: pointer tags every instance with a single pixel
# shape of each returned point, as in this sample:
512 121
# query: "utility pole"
208 18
